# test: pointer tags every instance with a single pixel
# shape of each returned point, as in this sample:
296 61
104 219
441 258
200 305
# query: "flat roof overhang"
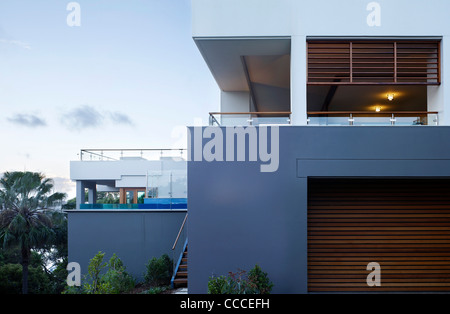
224 55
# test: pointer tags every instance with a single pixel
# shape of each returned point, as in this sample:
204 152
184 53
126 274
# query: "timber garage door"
403 225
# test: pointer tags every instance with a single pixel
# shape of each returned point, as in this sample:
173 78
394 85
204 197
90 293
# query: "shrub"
259 281
157 290
94 285
159 271
217 285
256 282
116 280
120 281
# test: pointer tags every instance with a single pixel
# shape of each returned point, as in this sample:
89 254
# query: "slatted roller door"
404 225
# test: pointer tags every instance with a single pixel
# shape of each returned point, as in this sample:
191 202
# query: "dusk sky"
130 76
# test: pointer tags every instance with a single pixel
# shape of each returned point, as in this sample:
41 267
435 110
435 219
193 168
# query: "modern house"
148 219
331 147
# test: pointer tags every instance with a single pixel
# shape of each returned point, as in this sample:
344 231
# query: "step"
180 281
182 274
183 267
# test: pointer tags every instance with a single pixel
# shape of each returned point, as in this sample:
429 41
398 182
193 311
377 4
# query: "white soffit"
224 56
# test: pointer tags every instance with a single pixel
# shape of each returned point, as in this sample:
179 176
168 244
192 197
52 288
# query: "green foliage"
157 290
108 198
95 267
120 281
11 280
70 204
259 281
114 281
25 198
159 271
255 282
218 285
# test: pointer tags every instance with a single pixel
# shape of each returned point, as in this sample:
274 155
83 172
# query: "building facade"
329 153
144 218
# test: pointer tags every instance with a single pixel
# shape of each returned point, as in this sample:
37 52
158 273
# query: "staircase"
180 277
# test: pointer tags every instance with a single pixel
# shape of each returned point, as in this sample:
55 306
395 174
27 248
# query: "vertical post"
350 120
80 193
92 194
392 119
298 80
146 184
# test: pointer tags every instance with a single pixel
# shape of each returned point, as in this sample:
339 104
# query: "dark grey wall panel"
385 168
239 216
134 236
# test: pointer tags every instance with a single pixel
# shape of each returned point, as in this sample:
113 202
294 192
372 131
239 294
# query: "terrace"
132 179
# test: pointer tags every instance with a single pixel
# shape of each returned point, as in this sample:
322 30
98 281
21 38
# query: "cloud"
64 185
28 120
120 118
88 117
83 117
16 43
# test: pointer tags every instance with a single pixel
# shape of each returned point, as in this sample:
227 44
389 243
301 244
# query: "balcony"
130 154
249 118
328 118
364 118
133 179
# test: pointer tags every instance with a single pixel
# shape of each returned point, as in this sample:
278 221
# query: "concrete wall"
135 236
239 216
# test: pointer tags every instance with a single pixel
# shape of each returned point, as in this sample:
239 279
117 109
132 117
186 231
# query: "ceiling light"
390 97
377 109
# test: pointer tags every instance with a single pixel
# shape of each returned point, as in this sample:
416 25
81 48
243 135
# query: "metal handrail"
252 112
95 151
392 114
370 112
274 114
179 232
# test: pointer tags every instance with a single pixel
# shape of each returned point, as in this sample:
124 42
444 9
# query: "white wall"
241 18
234 101
125 173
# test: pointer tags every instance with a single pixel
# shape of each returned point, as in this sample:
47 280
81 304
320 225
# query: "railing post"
392 119
351 120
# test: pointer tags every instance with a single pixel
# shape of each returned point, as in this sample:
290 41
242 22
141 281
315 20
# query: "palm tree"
24 199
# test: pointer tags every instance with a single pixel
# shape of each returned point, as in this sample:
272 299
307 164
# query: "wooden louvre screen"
373 62
404 225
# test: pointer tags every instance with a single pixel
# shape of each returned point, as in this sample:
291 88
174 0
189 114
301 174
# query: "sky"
129 76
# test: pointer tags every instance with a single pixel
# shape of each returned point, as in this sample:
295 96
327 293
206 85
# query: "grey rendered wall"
135 236
239 217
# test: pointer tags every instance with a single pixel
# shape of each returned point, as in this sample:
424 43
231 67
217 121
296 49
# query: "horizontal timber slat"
397 60
402 224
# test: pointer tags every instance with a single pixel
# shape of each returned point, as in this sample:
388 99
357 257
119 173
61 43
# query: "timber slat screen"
373 62
404 225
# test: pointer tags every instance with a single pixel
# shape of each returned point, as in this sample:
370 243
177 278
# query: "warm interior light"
377 109
390 97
